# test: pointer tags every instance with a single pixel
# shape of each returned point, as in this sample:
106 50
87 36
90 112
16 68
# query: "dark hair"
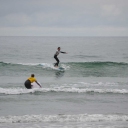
58 47
32 75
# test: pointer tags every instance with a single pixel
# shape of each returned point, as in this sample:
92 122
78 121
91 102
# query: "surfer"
56 58
29 81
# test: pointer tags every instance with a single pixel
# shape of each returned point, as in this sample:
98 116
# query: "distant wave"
63 118
17 91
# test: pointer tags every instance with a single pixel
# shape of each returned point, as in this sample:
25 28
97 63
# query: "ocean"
91 91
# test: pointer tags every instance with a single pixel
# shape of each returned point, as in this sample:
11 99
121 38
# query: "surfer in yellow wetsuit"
29 81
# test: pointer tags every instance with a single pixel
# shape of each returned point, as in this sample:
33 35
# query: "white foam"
29 64
98 84
63 118
46 65
51 66
16 91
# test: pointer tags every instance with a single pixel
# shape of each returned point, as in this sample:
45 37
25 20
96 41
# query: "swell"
99 69
98 63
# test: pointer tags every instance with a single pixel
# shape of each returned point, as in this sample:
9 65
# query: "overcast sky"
63 17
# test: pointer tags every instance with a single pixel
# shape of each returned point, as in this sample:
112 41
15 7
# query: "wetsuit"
28 82
56 58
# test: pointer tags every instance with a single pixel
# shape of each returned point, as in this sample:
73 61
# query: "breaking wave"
62 118
17 91
74 69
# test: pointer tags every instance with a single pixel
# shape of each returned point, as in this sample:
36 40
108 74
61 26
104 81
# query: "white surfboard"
35 85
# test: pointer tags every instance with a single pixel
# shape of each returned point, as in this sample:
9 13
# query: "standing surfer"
56 58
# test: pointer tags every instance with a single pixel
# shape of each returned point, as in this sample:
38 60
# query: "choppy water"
91 91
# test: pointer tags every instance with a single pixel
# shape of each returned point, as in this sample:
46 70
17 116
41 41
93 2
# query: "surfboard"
60 68
35 85
51 66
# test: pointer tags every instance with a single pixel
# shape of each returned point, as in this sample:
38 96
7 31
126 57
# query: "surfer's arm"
38 84
64 52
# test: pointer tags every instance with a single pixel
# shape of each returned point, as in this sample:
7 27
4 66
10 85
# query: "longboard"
59 68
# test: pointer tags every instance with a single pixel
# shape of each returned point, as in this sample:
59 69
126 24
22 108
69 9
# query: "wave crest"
95 63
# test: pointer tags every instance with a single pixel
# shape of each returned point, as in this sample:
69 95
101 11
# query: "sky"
63 17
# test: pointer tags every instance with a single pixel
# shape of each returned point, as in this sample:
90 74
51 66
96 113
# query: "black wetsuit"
28 84
56 58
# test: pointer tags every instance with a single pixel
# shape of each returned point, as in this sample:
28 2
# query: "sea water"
91 92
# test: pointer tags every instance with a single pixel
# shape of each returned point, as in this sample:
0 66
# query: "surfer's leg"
56 64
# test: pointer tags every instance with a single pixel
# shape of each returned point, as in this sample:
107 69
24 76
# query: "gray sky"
63 17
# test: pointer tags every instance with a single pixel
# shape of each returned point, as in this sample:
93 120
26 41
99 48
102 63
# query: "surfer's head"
58 48
32 75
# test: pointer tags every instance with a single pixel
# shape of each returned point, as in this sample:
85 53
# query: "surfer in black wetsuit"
56 58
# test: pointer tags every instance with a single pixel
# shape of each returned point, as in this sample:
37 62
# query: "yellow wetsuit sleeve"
32 79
